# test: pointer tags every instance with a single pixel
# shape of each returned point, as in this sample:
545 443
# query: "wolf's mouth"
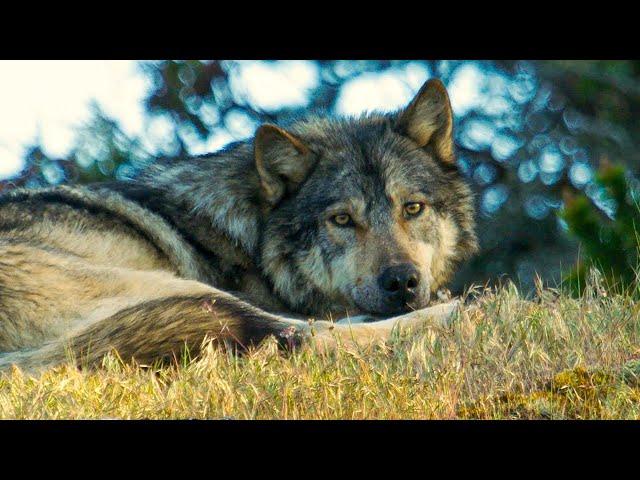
390 311
371 301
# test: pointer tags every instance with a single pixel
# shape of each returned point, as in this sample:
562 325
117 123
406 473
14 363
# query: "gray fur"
249 230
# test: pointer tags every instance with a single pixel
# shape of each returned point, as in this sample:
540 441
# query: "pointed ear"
282 160
428 120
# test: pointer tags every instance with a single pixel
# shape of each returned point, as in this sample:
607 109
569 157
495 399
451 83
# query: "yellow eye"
342 220
414 208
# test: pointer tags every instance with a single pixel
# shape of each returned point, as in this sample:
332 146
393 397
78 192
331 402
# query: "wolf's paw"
444 294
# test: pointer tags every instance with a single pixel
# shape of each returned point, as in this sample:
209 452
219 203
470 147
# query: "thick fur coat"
358 218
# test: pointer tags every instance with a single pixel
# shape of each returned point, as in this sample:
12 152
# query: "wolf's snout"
399 284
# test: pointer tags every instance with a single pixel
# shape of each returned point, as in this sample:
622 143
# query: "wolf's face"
368 215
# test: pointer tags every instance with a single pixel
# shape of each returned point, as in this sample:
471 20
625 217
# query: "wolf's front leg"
441 312
364 329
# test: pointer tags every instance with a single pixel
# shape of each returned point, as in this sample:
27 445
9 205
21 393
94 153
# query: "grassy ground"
502 357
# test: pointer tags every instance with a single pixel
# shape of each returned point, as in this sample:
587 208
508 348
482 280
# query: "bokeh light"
526 131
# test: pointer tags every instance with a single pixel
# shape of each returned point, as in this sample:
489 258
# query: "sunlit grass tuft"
502 357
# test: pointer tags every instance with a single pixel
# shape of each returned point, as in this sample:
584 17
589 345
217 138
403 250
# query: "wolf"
327 230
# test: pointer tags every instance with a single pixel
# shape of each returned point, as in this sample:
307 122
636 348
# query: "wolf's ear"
428 120
282 160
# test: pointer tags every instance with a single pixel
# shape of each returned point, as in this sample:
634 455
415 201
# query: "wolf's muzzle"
399 285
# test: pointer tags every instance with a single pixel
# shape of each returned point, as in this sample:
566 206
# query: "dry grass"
503 357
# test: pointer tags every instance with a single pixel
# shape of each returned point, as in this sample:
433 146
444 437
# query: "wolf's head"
369 214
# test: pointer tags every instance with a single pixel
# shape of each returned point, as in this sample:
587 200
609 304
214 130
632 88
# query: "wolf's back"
82 206
70 255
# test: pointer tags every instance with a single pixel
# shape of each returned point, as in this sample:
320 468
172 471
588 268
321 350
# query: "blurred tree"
533 130
611 239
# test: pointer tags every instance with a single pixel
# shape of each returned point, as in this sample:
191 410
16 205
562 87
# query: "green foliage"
610 245
103 151
181 88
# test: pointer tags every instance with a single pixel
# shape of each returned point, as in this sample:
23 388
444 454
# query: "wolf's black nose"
399 283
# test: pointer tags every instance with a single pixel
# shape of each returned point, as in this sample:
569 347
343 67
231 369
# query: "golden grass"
502 357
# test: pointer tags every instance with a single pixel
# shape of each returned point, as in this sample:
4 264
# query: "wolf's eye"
342 220
413 209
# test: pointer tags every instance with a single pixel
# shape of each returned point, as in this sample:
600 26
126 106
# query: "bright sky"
50 99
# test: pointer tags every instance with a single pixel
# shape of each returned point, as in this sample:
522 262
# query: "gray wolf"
282 235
